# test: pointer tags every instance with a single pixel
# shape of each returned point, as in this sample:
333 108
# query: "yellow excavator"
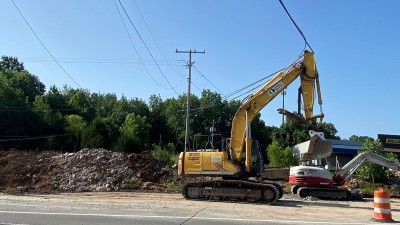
239 164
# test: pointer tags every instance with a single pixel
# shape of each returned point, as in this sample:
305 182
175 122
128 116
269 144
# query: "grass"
173 187
368 188
135 182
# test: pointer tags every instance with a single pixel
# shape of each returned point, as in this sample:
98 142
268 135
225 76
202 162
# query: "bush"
166 154
173 187
368 189
279 156
373 172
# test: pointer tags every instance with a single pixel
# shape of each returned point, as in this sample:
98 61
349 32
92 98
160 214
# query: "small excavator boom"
344 173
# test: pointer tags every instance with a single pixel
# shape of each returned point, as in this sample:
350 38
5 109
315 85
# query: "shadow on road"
343 204
299 203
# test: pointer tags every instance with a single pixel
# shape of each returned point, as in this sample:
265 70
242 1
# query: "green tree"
17 119
75 125
100 133
29 84
53 119
360 138
330 131
134 134
57 100
280 156
81 101
166 153
370 171
291 133
175 118
104 104
51 123
159 133
11 63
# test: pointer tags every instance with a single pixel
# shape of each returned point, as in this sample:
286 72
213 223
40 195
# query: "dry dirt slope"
86 170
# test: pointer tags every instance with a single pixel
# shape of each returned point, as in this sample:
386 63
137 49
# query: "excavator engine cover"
316 148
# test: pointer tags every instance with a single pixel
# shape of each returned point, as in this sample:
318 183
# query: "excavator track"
229 190
324 193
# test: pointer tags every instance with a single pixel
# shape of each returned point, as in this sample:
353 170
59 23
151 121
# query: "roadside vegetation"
36 117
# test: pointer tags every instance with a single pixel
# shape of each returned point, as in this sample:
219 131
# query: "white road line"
180 217
13 224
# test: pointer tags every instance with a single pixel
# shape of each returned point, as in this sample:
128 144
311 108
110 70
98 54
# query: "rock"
85 170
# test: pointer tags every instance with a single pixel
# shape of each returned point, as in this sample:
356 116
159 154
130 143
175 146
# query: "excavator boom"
308 73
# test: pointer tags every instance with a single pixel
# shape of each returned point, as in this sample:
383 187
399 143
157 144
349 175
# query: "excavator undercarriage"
233 190
323 192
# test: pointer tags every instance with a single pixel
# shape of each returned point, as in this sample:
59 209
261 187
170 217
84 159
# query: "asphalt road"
137 208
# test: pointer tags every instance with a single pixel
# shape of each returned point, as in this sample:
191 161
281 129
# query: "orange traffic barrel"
382 212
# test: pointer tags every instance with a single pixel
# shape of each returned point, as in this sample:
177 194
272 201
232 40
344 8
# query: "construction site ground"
104 183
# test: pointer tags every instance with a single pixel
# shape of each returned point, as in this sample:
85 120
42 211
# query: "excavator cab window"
257 158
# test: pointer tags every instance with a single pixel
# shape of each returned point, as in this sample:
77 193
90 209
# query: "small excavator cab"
316 148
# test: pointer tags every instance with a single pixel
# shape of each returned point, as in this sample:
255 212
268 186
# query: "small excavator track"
229 190
325 193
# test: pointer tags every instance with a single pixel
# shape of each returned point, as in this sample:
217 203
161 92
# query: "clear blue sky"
356 45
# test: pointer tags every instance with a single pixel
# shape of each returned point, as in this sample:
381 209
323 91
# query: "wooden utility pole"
283 105
190 52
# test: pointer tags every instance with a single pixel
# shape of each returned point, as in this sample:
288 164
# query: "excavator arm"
240 133
351 167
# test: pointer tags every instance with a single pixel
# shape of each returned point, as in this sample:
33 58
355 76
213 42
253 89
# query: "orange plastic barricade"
382 212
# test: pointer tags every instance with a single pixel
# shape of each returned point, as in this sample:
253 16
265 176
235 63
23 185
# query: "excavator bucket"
316 148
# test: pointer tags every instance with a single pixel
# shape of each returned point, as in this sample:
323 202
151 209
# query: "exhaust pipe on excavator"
316 148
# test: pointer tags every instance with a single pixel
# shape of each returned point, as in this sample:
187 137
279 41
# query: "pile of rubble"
86 170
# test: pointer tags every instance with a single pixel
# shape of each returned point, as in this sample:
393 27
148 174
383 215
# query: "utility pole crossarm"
190 52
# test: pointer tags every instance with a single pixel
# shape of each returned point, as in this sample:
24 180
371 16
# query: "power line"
250 85
34 138
297 27
99 60
133 45
148 50
35 110
55 60
208 80
194 85
152 37
238 91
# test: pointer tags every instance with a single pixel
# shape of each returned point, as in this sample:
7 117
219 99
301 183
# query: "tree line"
69 119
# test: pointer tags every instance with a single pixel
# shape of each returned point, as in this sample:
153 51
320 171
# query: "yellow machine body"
206 164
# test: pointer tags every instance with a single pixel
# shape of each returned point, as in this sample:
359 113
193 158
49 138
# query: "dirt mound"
86 170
